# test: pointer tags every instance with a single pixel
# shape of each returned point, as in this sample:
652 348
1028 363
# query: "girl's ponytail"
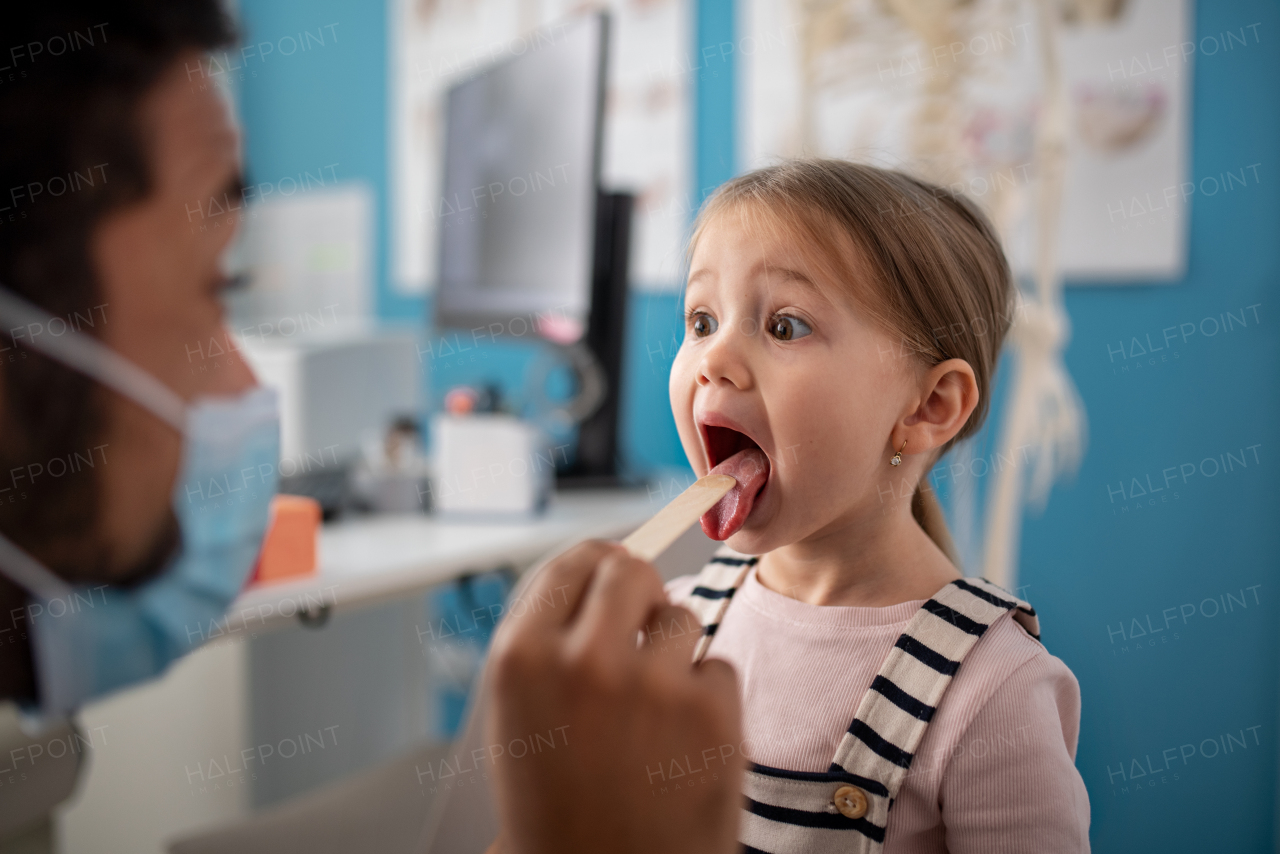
928 515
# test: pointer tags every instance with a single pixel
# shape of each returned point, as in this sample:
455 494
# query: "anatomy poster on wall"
956 97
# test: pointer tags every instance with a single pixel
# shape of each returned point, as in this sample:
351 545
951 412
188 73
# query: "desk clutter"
289 551
352 436
489 463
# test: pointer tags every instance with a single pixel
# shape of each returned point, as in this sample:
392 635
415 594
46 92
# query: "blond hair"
936 276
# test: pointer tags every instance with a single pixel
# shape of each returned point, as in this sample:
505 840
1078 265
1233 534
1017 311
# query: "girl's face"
808 378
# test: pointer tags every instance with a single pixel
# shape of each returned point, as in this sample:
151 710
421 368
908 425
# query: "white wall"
142 786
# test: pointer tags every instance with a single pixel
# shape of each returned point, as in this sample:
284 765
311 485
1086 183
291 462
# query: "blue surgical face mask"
90 641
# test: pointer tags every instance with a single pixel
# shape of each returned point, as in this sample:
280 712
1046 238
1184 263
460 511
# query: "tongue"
750 468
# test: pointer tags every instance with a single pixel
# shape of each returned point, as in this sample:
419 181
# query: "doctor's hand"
625 716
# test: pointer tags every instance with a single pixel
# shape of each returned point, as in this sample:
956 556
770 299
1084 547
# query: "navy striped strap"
891 719
835 773
713 591
903 700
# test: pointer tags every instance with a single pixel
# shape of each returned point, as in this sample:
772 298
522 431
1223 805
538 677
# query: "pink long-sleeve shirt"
995 771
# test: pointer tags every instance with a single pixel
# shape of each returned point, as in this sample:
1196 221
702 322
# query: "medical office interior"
461 260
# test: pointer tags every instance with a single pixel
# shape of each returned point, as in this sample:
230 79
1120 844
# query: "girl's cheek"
680 386
677 381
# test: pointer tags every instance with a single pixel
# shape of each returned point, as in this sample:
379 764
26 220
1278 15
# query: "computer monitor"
529 242
521 174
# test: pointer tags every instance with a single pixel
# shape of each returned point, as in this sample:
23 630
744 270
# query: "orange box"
289 551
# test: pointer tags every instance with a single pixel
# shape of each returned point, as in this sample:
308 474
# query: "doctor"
115 423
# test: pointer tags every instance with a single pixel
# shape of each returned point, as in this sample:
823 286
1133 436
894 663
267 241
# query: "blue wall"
1101 558
1102 564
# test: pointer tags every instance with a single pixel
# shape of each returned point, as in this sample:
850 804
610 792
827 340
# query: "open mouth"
737 455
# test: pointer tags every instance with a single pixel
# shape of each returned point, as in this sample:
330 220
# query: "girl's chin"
743 543
755 542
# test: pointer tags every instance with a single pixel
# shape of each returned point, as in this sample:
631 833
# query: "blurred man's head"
108 141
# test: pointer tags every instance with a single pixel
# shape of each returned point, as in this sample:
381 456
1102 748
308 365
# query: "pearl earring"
897 458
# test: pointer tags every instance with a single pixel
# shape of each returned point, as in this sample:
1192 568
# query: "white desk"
370 559
372 583
367 673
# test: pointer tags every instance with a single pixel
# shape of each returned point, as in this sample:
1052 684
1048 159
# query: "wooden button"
851 801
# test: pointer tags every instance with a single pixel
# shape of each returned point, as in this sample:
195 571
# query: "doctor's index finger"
554 593
619 602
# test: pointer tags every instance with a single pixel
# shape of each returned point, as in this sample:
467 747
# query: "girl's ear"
948 394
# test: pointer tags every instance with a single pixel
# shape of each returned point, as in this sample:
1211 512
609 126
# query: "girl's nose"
724 361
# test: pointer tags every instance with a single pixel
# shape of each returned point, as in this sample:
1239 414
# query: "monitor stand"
595 460
568 482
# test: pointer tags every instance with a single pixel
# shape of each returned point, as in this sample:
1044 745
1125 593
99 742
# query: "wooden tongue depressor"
653 537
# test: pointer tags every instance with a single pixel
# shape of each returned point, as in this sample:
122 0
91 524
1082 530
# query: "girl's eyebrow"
770 270
787 274
790 275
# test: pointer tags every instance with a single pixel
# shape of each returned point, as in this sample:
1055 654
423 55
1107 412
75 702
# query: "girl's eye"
704 324
786 328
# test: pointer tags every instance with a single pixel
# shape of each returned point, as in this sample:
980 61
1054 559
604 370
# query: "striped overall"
846 808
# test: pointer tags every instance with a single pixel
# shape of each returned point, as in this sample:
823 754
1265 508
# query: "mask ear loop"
25 571
84 354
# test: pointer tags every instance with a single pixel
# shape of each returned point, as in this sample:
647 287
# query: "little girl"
842 328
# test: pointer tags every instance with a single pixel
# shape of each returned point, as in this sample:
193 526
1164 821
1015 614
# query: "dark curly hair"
70 152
